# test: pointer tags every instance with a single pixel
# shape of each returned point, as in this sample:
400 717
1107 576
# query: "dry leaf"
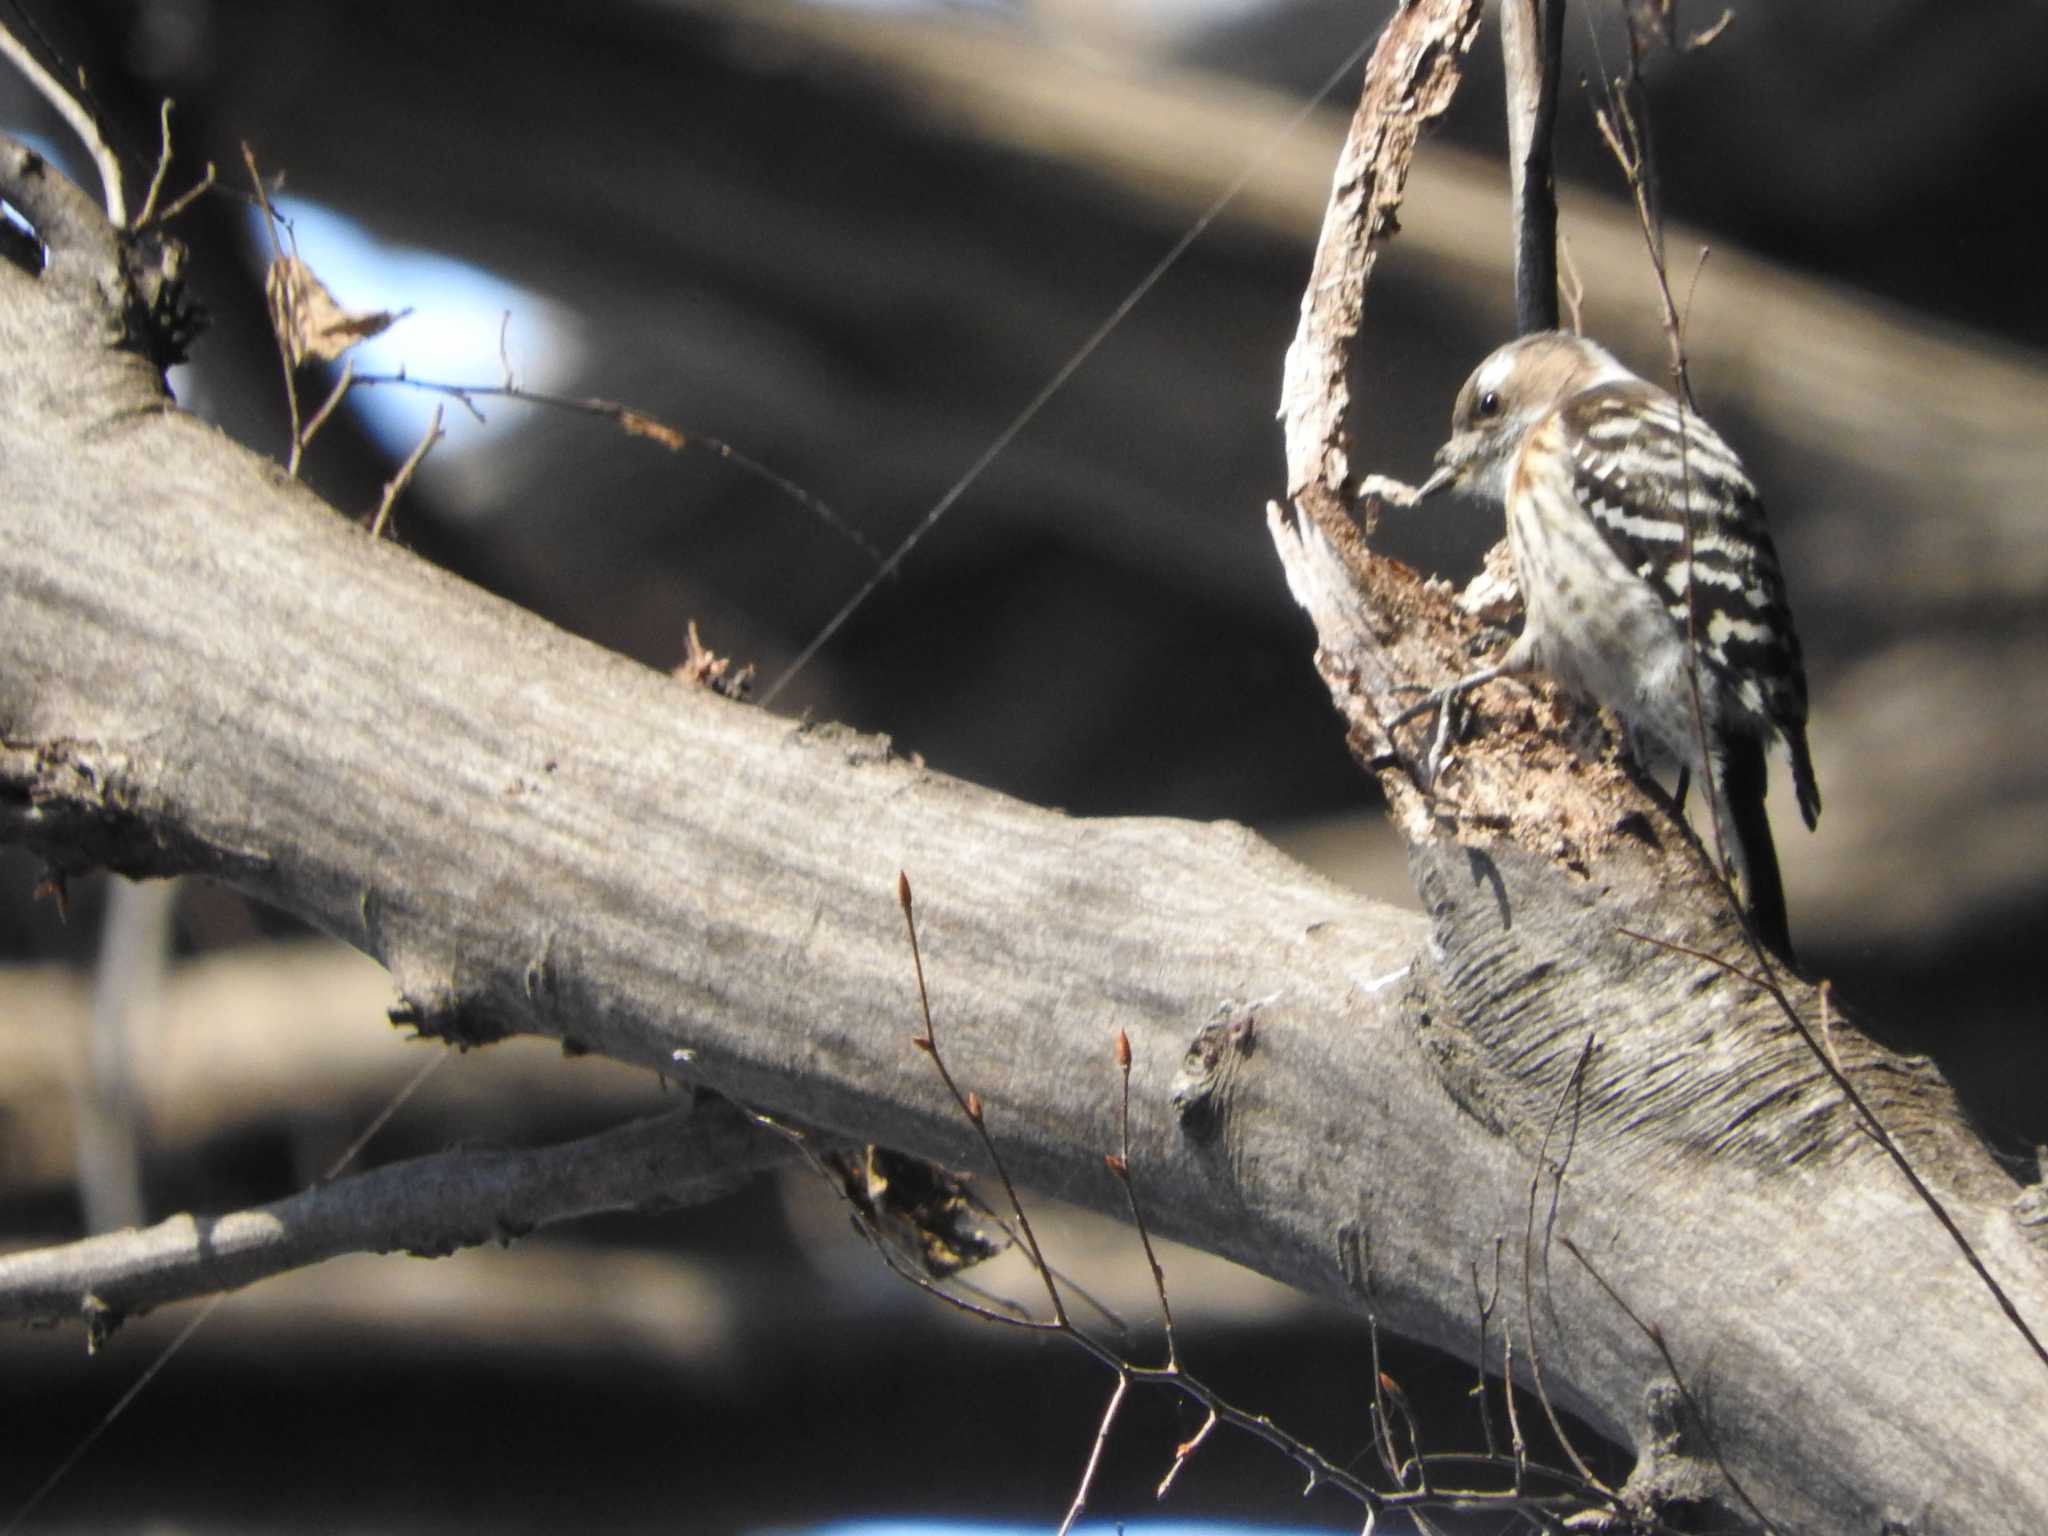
646 426
309 322
707 670
926 1210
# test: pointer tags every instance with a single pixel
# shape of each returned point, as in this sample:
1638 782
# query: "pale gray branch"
77 117
428 1206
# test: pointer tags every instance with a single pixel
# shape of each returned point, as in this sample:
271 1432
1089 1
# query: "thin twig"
1572 286
1628 141
1655 1335
285 323
1116 1402
505 378
1702 38
334 398
1630 157
1382 1436
398 482
1577 1093
163 166
1387 1390
189 196
1120 1165
1185 1450
1485 1305
971 1106
1571 1090
635 422
1692 289
1507 1371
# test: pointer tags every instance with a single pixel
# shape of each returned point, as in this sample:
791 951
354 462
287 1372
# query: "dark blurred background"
853 242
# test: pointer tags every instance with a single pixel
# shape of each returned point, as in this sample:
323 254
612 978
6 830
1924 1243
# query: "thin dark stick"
398 482
1385 1392
1121 1167
1485 1305
1656 1336
334 398
1532 45
190 195
970 1106
163 168
1570 1094
636 422
1628 141
284 323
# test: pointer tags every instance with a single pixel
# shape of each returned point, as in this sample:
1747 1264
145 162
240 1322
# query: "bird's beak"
1446 475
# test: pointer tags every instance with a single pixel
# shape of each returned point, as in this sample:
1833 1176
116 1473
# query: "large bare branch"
204 668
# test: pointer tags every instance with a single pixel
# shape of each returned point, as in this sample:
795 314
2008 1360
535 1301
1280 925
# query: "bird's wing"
1675 505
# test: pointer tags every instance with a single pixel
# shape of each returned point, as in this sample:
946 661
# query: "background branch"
428 1206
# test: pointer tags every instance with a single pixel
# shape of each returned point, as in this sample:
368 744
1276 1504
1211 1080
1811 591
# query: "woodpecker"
1649 581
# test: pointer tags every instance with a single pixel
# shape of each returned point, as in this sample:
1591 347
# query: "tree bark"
1592 980
205 669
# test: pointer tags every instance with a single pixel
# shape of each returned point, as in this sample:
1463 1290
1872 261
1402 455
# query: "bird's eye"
1489 404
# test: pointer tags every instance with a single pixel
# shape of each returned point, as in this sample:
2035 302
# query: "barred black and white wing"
1674 505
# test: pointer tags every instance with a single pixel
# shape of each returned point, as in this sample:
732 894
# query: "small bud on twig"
1123 1050
903 892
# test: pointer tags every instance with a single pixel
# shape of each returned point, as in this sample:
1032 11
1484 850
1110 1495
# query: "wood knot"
1201 1088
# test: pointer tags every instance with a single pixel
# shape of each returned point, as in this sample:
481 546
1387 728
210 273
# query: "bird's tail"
1746 842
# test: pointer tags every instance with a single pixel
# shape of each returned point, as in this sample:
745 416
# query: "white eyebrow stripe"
1494 372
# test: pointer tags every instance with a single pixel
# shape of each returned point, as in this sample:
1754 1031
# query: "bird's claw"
1445 702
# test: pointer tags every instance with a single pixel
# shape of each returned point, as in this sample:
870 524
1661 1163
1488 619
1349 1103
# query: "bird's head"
1515 388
